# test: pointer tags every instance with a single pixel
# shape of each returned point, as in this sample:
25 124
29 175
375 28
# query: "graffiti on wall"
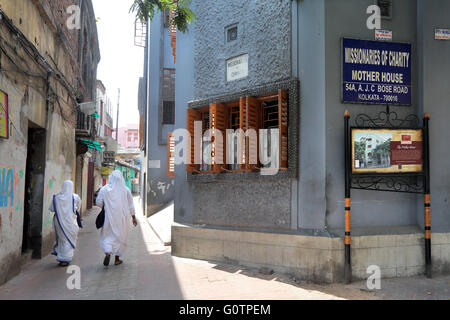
161 188
7 186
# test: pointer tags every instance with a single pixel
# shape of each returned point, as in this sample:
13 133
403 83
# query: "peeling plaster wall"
27 106
12 160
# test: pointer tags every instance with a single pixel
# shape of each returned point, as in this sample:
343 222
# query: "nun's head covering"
64 199
116 180
67 189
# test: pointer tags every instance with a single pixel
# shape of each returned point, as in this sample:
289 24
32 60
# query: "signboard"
4 116
237 67
383 35
387 150
442 34
109 156
376 72
106 171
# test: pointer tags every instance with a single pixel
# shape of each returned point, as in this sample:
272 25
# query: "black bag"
100 219
79 220
80 225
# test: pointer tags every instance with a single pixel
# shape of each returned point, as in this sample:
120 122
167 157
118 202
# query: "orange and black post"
347 265
427 203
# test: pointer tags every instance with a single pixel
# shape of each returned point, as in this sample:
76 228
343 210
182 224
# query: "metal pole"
117 120
347 266
427 203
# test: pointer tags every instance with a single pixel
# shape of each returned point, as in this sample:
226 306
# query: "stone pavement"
150 272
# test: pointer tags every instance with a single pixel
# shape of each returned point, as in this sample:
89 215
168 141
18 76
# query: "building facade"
110 146
48 70
241 63
157 108
129 136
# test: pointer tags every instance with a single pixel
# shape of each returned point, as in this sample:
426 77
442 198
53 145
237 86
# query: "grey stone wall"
246 203
263 33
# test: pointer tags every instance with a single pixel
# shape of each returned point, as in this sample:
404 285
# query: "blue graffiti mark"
6 187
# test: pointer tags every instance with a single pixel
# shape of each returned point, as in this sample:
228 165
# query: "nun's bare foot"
118 261
106 260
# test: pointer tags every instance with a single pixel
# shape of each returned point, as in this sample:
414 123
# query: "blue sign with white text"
376 72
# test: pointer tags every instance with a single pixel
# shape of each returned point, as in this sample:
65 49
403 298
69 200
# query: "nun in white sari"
119 208
65 205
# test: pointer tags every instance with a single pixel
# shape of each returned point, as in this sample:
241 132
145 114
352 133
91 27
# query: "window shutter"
218 123
242 126
283 127
170 155
192 116
251 142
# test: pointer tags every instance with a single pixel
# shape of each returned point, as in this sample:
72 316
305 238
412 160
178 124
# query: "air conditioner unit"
88 107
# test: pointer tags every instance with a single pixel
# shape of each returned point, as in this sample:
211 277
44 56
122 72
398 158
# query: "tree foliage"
360 149
145 9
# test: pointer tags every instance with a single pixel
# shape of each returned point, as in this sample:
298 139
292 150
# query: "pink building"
129 136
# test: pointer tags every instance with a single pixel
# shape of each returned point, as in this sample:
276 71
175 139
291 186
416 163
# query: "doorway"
34 191
90 184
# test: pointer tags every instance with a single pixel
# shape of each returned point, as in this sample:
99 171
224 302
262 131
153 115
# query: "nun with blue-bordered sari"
65 205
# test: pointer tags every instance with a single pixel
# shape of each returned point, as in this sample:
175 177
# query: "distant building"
129 136
105 121
105 111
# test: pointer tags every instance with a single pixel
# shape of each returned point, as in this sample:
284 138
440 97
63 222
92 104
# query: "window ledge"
234 176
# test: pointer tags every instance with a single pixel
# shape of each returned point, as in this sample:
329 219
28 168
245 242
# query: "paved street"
150 272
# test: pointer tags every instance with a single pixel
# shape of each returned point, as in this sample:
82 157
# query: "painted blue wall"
434 97
160 188
183 94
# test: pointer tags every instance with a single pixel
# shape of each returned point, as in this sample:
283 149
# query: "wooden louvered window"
170 155
264 112
218 119
283 107
274 115
192 116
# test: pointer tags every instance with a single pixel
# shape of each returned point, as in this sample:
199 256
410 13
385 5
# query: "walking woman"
65 227
118 204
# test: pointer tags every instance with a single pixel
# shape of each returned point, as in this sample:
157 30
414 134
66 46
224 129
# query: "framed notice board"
386 150
4 116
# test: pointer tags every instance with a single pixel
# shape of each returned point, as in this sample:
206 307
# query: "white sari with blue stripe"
65 227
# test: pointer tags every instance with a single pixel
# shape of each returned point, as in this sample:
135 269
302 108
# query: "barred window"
386 8
168 112
168 101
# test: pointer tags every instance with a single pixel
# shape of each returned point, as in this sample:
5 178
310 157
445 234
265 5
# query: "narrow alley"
150 272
